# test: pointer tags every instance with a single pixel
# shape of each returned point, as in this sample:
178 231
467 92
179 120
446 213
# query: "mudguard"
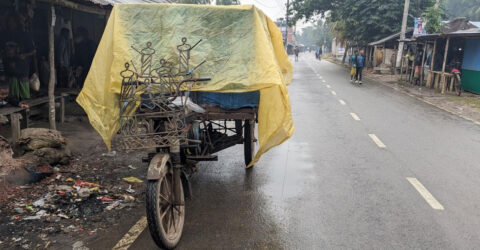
158 166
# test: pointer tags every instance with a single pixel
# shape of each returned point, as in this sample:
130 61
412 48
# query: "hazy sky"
273 8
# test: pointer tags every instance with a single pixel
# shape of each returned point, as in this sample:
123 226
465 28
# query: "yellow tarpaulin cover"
242 47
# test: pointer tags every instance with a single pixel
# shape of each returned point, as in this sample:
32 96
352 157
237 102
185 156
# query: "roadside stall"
446 55
63 35
188 81
381 54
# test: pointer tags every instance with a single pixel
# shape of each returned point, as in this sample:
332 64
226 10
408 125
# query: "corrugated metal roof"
112 2
474 31
388 38
476 24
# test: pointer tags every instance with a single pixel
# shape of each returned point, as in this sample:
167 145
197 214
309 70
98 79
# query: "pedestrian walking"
353 65
296 51
320 52
360 62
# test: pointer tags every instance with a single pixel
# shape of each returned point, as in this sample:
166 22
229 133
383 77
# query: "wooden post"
432 63
394 63
401 69
62 107
444 82
452 83
25 118
423 62
15 125
51 58
412 71
384 52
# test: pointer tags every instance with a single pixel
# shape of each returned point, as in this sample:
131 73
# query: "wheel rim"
172 215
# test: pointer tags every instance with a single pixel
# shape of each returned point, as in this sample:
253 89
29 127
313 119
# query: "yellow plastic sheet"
242 47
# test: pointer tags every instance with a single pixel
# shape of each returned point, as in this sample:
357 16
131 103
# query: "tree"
316 35
433 16
360 21
464 8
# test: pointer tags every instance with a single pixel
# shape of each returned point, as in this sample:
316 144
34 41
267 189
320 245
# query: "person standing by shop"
63 54
360 62
84 52
18 52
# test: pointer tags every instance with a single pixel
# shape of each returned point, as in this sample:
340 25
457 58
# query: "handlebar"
205 79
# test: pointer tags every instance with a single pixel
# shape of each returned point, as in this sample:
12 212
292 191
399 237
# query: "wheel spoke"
167 187
178 209
173 221
169 219
163 214
163 197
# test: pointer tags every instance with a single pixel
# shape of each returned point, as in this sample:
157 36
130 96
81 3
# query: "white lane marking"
377 141
355 116
342 102
328 86
334 93
324 81
425 194
131 235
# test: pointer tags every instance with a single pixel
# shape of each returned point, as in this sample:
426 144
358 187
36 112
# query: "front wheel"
248 141
165 215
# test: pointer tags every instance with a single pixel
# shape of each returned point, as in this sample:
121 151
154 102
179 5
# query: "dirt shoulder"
80 201
466 106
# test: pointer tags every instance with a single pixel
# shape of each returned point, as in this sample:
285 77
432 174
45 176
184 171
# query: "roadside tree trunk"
51 58
347 47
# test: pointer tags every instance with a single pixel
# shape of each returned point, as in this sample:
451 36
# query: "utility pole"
402 33
286 25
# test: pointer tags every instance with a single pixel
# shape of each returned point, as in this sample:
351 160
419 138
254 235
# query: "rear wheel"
165 216
459 85
248 142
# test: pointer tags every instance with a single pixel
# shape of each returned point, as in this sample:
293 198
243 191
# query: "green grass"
471 101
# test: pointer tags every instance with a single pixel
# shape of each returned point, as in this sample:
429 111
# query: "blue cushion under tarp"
229 100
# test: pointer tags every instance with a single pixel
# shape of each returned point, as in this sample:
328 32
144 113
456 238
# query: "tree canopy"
464 8
360 21
316 35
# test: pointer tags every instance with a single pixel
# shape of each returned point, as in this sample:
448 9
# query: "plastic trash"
64 188
113 205
39 203
84 192
132 179
110 154
130 190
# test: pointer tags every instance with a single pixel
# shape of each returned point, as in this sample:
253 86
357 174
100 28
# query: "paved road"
341 181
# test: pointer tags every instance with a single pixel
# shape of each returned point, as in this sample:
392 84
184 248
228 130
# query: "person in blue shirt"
360 62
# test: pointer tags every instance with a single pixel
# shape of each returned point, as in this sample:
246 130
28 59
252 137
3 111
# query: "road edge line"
131 236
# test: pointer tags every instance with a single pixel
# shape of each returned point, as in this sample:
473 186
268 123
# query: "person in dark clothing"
63 55
18 52
359 62
296 50
84 52
418 65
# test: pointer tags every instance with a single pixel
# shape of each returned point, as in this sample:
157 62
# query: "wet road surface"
367 168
